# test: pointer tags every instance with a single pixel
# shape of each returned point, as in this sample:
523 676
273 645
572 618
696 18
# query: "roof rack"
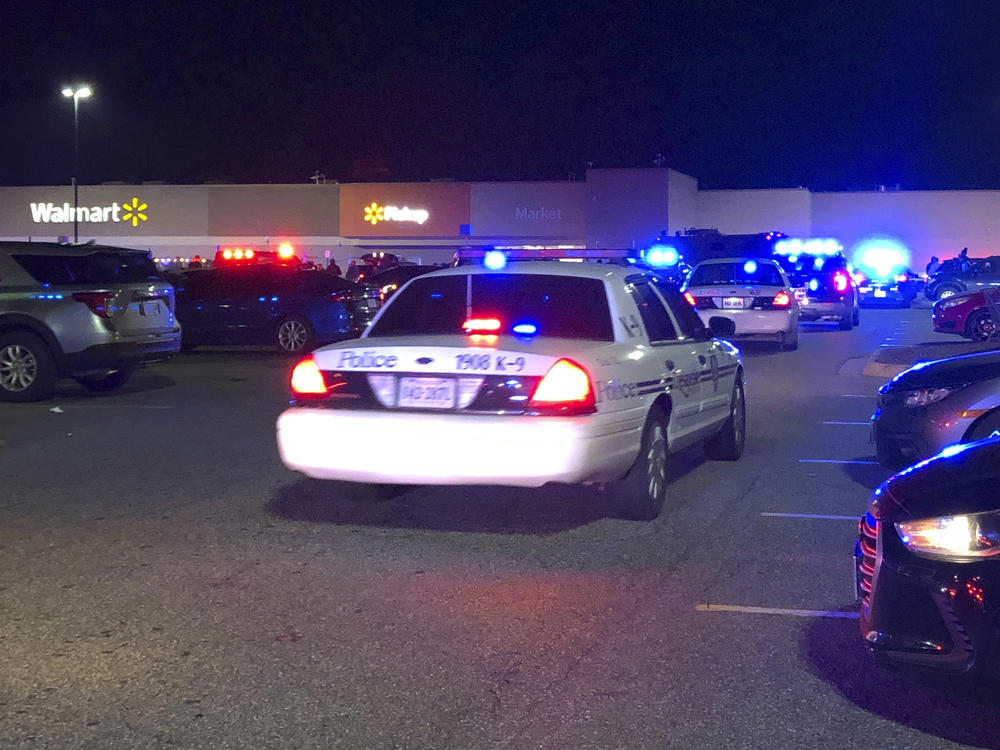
599 255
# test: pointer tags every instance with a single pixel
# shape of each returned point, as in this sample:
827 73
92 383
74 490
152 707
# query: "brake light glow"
840 282
781 299
901 278
307 380
690 298
565 385
286 250
481 325
98 302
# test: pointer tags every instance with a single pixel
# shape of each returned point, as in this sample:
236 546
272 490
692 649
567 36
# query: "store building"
426 222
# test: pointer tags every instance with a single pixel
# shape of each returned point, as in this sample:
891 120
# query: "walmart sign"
132 213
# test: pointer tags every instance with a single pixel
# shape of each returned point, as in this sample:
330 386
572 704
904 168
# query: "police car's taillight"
98 302
781 299
840 282
307 380
565 387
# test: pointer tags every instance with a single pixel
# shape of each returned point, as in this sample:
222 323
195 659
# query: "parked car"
290 308
387 282
895 288
927 561
88 312
754 293
936 404
969 314
824 288
954 277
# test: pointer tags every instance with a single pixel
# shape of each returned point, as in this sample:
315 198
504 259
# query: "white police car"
521 374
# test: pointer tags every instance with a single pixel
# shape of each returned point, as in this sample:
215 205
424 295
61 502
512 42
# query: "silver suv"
86 312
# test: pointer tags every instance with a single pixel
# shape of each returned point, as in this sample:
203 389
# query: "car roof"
58 248
744 259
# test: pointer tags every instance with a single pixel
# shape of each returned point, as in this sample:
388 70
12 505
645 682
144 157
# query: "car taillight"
901 278
98 302
781 299
690 298
307 380
566 387
840 282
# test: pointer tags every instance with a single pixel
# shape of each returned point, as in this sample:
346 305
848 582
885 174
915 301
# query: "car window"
94 269
317 282
557 306
689 322
654 315
742 272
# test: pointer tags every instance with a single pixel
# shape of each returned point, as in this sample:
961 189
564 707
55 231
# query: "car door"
676 360
197 296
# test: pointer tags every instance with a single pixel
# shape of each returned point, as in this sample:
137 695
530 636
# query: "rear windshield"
558 306
94 269
744 272
806 266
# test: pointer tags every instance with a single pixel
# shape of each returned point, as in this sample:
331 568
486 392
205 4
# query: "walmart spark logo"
374 213
134 212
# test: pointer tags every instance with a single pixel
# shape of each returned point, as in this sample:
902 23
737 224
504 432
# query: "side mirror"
721 327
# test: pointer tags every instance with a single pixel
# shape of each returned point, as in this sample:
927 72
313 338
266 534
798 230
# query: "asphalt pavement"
166 582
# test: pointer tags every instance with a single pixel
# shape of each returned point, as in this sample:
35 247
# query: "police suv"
521 373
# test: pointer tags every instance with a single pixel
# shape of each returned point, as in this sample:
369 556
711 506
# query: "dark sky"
738 93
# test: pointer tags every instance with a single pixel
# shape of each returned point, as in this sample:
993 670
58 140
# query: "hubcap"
656 462
18 368
291 336
983 327
946 293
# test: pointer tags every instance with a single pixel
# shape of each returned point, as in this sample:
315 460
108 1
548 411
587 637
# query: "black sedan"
387 282
928 561
290 308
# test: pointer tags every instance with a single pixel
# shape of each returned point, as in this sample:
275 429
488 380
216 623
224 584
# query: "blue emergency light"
662 255
494 260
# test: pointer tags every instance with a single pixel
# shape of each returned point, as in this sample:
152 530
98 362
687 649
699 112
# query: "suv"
954 277
87 312
824 288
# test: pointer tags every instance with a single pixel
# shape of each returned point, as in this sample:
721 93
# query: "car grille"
867 546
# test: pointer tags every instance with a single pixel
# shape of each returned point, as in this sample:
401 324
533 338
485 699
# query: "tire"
728 444
789 345
856 318
294 335
946 290
640 494
846 323
979 326
109 382
27 368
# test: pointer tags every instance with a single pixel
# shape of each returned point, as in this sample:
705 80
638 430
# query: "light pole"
77 93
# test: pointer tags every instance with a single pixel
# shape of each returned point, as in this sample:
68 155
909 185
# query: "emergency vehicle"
576 366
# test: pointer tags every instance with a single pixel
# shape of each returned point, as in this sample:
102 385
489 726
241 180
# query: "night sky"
738 93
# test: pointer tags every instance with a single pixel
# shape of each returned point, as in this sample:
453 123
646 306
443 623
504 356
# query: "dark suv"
824 288
955 277
290 308
88 312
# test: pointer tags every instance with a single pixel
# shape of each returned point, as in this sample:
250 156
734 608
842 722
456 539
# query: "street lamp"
77 93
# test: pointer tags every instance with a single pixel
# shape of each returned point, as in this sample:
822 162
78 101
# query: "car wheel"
27 369
856 318
108 382
789 341
640 494
294 335
980 326
947 290
727 445
846 323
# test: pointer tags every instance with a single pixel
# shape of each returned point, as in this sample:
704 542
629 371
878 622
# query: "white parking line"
774 611
866 424
84 406
834 461
810 515
859 395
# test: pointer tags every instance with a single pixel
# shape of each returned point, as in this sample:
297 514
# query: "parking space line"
866 424
859 395
84 406
834 461
775 611
810 515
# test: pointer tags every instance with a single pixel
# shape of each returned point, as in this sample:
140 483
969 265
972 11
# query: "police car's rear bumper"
753 323
394 447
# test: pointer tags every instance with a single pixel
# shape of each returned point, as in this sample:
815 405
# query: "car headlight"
968 537
947 303
928 396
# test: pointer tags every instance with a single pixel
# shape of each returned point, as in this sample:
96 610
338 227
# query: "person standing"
932 266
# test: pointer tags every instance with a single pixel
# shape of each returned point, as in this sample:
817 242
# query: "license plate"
732 303
880 292
149 308
433 393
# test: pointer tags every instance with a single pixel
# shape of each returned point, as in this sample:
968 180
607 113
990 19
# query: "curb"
887 362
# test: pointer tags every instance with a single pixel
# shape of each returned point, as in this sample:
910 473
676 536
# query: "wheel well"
13 322
992 414
968 318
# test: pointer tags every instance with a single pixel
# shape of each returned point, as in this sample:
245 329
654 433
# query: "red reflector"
98 302
690 298
478 325
781 299
307 380
566 384
840 282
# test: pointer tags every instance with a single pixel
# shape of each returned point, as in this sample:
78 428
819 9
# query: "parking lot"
166 581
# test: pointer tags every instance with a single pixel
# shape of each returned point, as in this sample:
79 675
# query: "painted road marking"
84 406
774 611
834 461
810 515
858 395
866 424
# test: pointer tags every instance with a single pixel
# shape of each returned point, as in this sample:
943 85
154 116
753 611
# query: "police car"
521 373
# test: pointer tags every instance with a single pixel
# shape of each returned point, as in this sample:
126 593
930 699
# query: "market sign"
133 212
